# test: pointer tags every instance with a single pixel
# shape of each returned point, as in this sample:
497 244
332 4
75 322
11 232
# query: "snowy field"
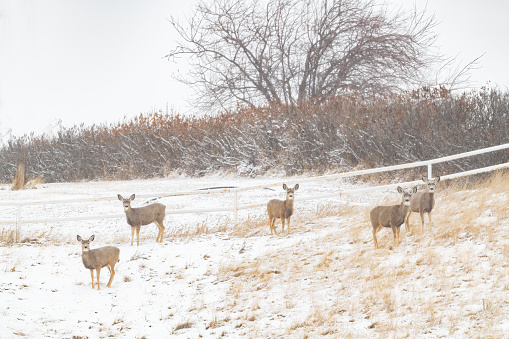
211 279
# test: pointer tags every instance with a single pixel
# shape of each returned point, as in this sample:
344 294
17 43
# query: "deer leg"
92 275
394 231
158 230
112 274
407 222
429 218
132 234
161 231
397 234
422 220
98 270
375 230
283 224
288 226
138 235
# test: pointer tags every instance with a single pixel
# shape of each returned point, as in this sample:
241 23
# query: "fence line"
236 190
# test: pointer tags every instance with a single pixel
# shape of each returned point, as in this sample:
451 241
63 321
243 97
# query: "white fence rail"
236 207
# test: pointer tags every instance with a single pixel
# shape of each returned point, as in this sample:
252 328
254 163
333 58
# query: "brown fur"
98 258
141 216
391 216
423 202
281 209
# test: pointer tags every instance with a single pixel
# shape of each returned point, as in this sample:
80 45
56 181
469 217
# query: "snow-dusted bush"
338 134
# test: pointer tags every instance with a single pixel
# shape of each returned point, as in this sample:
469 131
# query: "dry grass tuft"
326 259
429 258
479 199
40 238
181 326
215 322
7 236
252 226
332 209
20 178
201 228
123 236
498 181
32 183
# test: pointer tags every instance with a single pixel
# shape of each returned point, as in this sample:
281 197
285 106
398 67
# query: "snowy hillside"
211 279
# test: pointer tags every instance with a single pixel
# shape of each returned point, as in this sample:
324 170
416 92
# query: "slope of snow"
211 279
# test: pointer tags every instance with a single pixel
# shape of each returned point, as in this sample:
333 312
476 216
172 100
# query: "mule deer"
423 202
141 216
98 258
391 216
281 209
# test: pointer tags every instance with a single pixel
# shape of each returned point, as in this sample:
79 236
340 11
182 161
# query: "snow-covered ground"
211 279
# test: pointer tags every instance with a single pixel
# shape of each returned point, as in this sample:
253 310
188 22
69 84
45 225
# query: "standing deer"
423 202
98 258
281 209
141 216
391 216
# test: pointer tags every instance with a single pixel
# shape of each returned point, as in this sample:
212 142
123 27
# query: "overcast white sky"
96 61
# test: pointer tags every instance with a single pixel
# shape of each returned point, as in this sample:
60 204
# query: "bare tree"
288 51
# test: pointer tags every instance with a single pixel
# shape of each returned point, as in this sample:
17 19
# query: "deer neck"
129 212
85 257
130 216
289 204
403 210
429 197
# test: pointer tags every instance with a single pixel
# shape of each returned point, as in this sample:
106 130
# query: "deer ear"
296 187
437 178
132 197
79 238
414 190
92 238
425 179
285 187
400 190
119 197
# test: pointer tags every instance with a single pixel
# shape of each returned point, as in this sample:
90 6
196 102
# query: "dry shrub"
336 134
